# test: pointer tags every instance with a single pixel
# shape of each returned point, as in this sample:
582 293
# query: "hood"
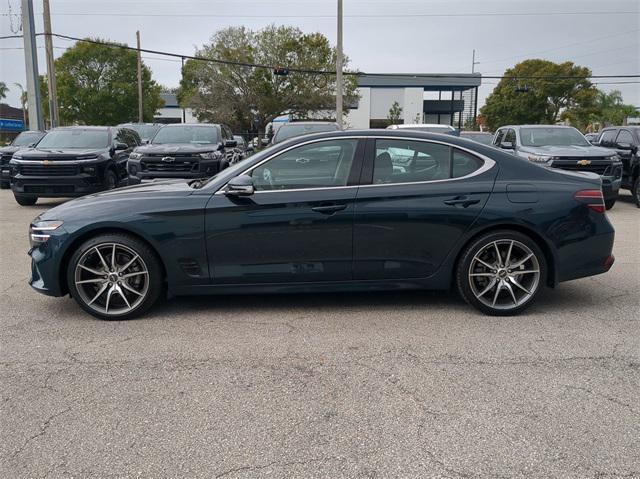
10 149
571 151
175 148
108 203
52 154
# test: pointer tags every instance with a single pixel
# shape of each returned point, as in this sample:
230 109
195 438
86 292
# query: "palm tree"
3 90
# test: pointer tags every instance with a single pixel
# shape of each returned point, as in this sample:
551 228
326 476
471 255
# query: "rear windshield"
290 130
75 138
552 137
26 138
197 135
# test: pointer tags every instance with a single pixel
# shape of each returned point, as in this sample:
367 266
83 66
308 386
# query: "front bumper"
55 187
610 187
45 265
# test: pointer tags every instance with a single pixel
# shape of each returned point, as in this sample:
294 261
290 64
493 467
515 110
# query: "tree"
97 85
248 98
608 109
544 100
395 113
3 90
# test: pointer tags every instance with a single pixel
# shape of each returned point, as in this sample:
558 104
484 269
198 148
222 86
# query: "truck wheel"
635 191
110 180
4 185
26 200
608 204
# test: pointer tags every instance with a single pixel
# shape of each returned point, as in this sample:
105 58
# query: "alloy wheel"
111 279
504 274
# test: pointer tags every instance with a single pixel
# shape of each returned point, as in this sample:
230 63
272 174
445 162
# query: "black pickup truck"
625 140
184 151
72 161
26 139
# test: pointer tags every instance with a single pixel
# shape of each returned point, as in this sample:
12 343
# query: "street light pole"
36 121
51 69
140 109
339 68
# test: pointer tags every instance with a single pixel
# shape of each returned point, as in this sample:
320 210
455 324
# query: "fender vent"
190 267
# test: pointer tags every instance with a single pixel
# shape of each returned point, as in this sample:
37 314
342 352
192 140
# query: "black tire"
608 204
635 191
26 200
4 185
466 262
110 180
154 277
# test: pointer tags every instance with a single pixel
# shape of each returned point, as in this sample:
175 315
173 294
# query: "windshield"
26 138
75 138
197 135
552 137
290 130
145 131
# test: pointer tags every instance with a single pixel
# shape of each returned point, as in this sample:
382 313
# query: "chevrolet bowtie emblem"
45 162
584 162
168 159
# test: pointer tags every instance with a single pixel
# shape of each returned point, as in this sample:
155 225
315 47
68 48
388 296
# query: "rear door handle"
328 209
463 201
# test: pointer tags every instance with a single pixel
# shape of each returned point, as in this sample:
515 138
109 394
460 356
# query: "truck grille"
48 170
4 159
179 164
598 169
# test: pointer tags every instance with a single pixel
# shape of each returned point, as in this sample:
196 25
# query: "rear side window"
510 136
499 136
406 161
607 137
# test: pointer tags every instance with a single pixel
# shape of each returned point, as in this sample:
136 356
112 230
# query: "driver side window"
317 165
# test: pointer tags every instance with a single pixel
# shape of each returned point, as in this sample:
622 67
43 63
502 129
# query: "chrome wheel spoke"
482 274
88 281
495 296
104 263
499 259
487 265
130 289
113 258
136 273
522 261
487 289
531 271
123 296
126 266
109 294
91 270
508 287
508 258
99 293
517 284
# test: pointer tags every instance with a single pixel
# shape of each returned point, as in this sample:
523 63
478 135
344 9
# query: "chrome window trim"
488 164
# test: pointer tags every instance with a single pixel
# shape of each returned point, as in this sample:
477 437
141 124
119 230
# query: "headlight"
541 158
209 155
16 156
135 156
90 170
39 231
614 157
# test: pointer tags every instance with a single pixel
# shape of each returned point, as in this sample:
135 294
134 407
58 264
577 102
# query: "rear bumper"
55 187
589 257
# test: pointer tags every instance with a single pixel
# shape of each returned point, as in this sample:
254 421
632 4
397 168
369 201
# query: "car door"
298 224
624 139
408 218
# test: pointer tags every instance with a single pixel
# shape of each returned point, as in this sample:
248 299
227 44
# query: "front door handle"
328 209
463 201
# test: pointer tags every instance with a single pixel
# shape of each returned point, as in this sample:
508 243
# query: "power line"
390 15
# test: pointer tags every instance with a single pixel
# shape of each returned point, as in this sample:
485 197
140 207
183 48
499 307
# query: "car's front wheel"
26 200
608 204
115 276
501 273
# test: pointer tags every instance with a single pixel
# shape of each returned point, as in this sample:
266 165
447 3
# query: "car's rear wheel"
608 204
26 200
115 276
501 273
4 185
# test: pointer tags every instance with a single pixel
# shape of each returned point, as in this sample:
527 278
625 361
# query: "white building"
171 111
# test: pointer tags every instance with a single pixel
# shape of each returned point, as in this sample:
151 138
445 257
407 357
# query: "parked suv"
626 141
72 161
26 139
185 151
566 148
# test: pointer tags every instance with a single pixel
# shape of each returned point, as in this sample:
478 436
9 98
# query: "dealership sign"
11 124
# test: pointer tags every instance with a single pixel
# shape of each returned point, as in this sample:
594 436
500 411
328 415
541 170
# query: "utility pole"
184 114
51 69
339 68
474 62
36 121
140 111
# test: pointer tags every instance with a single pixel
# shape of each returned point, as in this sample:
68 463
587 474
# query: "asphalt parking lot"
401 384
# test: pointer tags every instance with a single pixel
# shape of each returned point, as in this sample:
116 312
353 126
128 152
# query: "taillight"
592 198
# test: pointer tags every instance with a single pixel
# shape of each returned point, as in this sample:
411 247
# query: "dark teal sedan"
345 210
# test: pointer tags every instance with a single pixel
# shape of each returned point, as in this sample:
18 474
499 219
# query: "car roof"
476 133
199 125
537 126
423 125
84 127
309 123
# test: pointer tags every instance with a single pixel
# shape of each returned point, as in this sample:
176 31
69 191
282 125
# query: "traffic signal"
281 71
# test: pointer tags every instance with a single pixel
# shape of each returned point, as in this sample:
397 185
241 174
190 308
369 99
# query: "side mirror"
120 146
507 145
230 143
240 186
624 146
